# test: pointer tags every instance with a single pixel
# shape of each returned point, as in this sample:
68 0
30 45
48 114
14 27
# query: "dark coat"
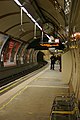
52 59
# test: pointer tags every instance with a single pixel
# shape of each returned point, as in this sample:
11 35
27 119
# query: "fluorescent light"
63 43
49 41
47 36
18 3
39 26
56 40
31 18
66 41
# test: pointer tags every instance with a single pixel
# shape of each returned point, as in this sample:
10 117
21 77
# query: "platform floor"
32 99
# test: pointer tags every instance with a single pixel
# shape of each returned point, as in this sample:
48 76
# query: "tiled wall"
71 70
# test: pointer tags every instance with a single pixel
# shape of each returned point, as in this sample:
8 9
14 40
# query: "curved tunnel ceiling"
43 11
74 18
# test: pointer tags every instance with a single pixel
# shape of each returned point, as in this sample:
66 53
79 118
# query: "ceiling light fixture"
20 5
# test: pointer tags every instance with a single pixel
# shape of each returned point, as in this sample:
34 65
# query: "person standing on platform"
52 62
60 63
59 58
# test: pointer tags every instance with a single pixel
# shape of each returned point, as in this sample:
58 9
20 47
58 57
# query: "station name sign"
49 44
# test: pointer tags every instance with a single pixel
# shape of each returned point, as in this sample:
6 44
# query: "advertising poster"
21 53
35 56
10 52
28 55
3 39
32 55
14 51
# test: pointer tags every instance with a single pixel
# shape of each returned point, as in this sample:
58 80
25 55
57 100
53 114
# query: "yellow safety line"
63 112
8 87
13 98
14 95
66 112
13 85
